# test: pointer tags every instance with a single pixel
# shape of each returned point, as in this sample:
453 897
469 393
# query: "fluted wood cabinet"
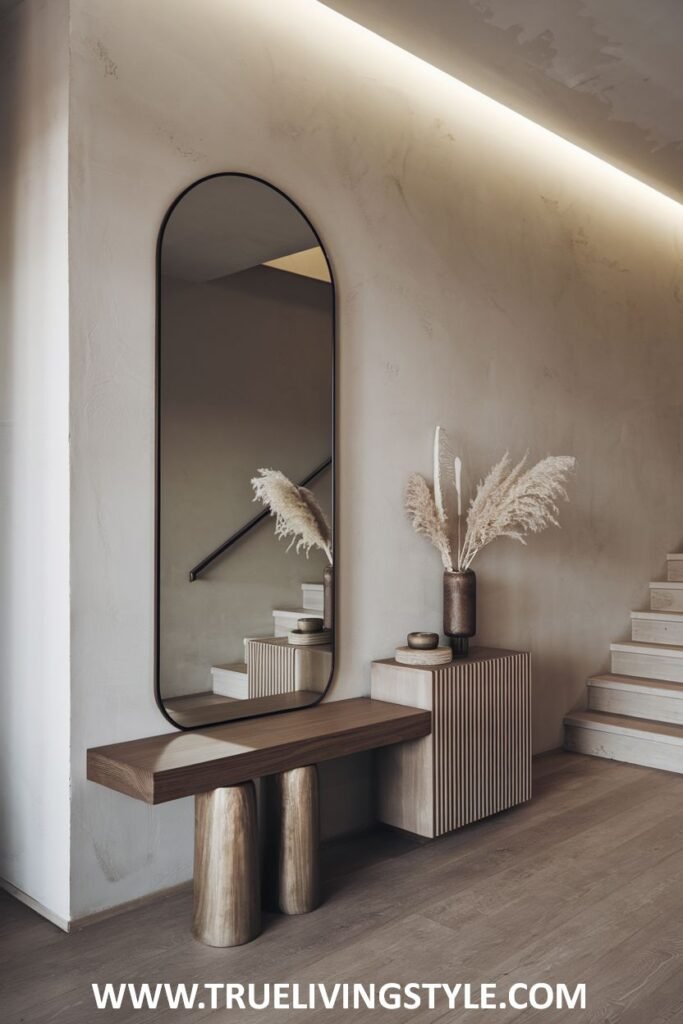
477 759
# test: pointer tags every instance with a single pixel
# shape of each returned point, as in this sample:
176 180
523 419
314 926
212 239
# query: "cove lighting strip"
505 116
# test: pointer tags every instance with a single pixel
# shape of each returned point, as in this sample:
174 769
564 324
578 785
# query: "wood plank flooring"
584 884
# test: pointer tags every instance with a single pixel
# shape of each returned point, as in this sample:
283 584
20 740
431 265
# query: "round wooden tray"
323 636
411 656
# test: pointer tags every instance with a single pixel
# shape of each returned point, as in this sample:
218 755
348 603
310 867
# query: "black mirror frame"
157 465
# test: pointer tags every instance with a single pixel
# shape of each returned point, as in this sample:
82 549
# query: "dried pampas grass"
511 501
423 513
514 503
297 513
442 458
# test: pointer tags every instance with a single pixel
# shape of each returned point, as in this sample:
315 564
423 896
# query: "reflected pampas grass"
297 512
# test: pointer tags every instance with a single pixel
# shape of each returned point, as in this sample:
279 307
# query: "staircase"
635 712
233 680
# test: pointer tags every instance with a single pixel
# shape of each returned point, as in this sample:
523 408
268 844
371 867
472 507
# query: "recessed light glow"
502 120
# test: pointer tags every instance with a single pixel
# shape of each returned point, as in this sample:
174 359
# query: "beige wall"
490 278
246 383
34 454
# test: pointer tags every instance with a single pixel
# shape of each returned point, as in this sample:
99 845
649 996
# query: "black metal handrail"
202 566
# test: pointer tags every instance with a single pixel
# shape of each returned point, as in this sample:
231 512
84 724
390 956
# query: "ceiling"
229 223
309 263
606 74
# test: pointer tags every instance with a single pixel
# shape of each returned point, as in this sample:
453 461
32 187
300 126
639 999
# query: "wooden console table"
477 760
217 766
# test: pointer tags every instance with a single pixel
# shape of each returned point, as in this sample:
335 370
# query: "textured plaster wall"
490 278
603 73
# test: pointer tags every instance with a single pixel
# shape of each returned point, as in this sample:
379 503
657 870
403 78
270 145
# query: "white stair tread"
602 721
313 595
298 613
659 616
237 666
666 585
675 558
640 684
231 680
657 650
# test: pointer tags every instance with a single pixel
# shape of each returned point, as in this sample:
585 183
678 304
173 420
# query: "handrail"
202 566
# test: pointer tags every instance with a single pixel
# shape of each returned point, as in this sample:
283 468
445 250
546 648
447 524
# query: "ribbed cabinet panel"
270 667
477 760
481 733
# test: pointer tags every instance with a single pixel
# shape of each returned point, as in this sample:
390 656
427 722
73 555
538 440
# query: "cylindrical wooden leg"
227 905
298 839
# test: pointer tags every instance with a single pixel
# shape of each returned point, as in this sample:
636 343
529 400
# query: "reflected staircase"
270 664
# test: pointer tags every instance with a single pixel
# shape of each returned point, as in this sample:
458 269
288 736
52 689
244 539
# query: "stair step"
230 680
620 738
649 661
636 697
285 619
657 627
313 596
666 596
674 568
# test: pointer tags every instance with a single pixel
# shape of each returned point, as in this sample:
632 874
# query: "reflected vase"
328 597
460 609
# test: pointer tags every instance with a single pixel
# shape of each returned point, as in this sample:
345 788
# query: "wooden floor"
584 884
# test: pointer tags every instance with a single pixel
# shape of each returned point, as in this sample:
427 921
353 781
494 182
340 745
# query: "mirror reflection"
245 379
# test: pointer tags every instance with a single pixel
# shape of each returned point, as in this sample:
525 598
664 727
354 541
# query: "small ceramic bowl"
310 625
423 641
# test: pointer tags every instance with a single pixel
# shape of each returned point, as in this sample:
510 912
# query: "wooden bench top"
161 768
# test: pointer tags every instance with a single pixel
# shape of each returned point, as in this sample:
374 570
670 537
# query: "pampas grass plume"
297 513
422 511
511 501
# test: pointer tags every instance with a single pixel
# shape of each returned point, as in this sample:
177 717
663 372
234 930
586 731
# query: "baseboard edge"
77 923
36 905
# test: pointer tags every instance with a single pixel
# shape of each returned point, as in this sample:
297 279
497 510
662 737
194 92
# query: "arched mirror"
245 456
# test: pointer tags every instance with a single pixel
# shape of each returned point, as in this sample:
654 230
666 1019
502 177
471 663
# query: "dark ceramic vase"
328 597
460 609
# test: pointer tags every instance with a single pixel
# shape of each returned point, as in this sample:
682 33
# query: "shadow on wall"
10 106
33 452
